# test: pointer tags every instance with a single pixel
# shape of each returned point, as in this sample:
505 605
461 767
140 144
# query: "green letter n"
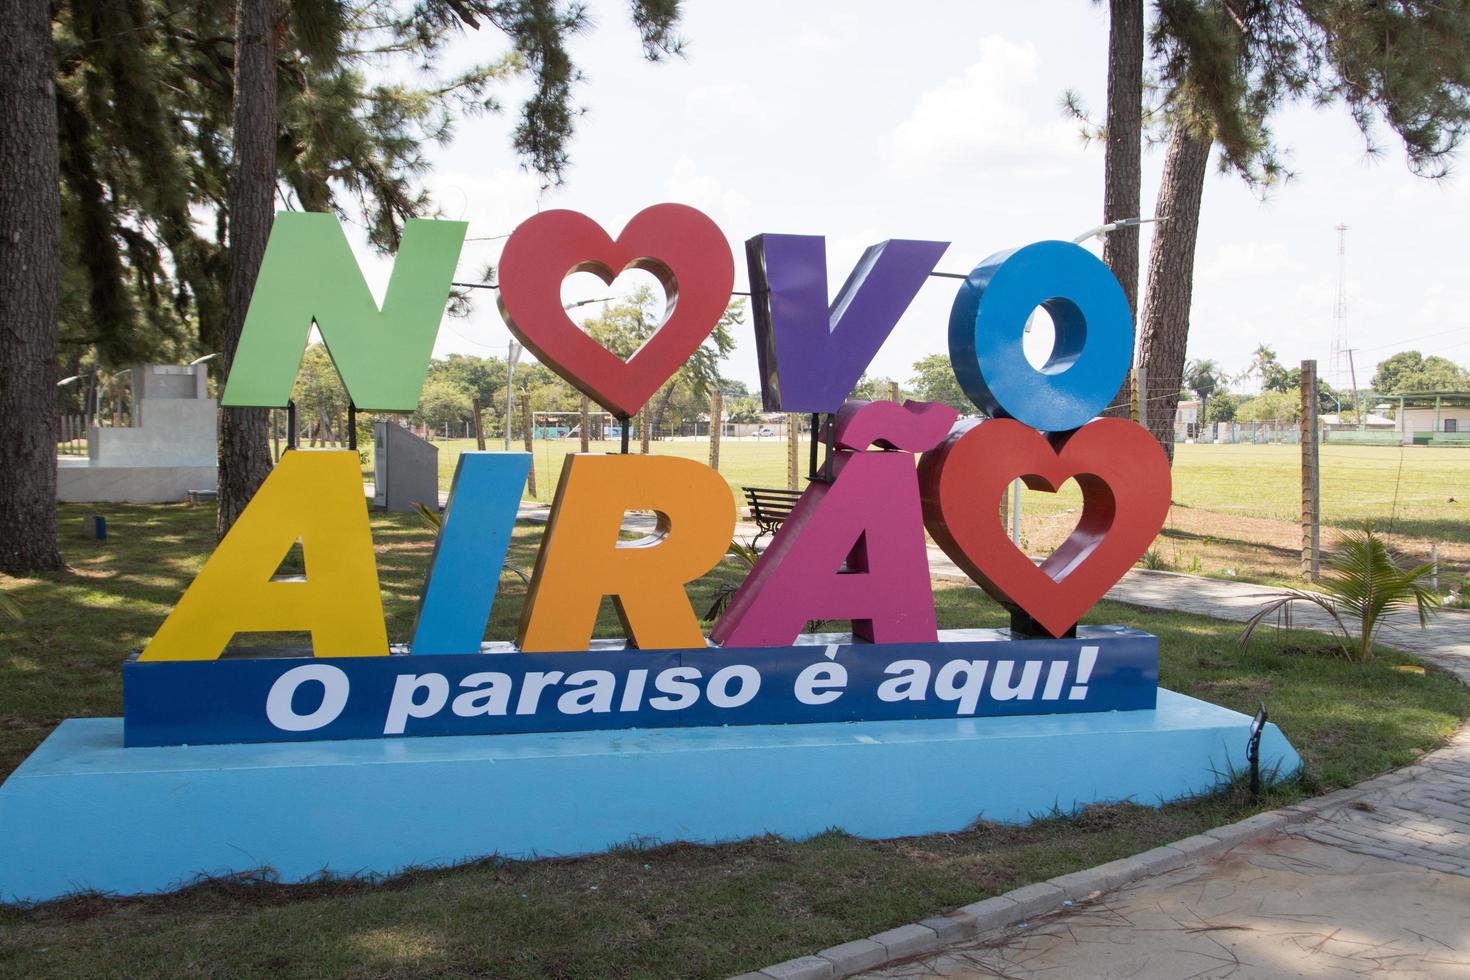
309 275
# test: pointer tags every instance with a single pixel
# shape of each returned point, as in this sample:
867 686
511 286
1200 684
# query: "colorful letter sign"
810 355
583 560
470 553
1124 476
308 275
852 549
1094 335
312 496
682 248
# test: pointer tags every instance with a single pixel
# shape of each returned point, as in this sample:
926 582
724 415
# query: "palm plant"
9 608
745 554
1364 587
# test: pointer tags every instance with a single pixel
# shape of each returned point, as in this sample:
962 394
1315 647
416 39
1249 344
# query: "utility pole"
512 354
1339 306
1311 477
1353 373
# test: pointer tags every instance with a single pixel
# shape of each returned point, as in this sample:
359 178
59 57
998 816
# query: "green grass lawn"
1408 485
671 911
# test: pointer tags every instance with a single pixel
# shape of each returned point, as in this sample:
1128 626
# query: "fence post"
1311 476
716 423
526 425
793 456
585 425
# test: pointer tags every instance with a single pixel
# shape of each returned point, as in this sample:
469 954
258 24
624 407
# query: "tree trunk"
30 270
244 448
666 396
1171 281
1122 164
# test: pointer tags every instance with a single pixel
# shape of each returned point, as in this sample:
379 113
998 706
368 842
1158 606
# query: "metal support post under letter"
1311 476
1016 513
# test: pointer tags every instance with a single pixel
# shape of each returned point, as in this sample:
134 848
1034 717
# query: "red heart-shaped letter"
683 248
1124 476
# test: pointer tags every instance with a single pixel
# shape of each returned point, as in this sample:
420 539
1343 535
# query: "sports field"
1235 507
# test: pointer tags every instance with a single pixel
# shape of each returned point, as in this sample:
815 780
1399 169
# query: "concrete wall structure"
405 469
169 449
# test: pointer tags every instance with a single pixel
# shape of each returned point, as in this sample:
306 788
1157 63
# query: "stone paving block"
1199 846
1248 829
910 940
993 913
1035 899
950 928
858 955
752 976
1081 885
1156 862
801 968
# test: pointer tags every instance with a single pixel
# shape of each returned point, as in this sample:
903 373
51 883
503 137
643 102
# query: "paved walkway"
1376 883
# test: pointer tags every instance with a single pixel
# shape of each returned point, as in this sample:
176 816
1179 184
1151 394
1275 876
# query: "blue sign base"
823 677
83 812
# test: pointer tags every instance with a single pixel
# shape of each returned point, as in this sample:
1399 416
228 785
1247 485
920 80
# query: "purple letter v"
811 356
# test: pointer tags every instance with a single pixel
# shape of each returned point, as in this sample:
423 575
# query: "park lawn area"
1408 486
1236 509
676 910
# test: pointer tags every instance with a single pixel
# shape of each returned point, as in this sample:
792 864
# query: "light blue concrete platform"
85 813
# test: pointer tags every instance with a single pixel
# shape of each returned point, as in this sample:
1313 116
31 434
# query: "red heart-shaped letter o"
1124 476
682 247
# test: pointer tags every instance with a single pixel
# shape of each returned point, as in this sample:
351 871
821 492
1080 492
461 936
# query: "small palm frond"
429 515
1365 586
9 608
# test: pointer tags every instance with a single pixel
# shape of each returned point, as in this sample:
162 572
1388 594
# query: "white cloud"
686 185
718 103
978 120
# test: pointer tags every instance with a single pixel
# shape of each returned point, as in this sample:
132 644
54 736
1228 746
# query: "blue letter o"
1094 344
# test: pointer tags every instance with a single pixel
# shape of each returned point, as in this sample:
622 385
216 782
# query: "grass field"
1236 508
671 911
1406 487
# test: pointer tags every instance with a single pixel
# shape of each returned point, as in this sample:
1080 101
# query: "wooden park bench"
769 508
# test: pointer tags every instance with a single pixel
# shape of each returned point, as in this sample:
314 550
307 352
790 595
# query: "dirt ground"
1248 548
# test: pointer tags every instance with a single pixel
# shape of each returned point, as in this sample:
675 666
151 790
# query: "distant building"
1434 417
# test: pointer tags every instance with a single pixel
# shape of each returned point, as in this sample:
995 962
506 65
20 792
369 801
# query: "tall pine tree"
30 267
1225 66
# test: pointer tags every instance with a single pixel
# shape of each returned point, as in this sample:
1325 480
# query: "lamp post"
513 354
1099 232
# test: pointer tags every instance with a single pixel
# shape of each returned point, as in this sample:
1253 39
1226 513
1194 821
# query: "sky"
852 121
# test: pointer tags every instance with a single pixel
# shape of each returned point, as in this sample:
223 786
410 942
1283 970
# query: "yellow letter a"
313 496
